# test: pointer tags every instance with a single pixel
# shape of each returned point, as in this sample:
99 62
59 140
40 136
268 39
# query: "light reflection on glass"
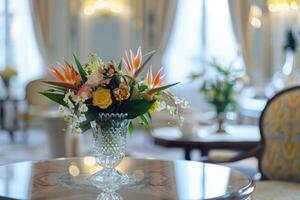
89 160
95 169
189 184
11 177
200 181
74 170
212 173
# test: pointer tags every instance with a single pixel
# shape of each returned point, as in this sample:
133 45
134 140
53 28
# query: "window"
18 47
202 31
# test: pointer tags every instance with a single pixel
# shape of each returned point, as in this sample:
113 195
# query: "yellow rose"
102 98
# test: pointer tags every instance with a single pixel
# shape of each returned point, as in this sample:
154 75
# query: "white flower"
61 109
161 106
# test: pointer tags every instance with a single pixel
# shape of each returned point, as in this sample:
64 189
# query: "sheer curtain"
20 50
40 11
239 12
202 31
158 19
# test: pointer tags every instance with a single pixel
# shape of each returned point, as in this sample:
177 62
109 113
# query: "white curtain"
239 12
158 22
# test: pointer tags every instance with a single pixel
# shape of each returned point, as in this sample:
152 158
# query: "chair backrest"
33 97
280 131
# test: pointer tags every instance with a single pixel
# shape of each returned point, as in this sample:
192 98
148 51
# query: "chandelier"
282 5
103 7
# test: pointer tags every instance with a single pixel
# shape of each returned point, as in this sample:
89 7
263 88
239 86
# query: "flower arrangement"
220 84
6 74
97 87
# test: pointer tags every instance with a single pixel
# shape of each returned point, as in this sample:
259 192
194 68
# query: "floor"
139 145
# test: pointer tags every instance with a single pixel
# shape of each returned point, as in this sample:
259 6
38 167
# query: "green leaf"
161 88
144 121
149 116
80 69
150 54
60 84
130 127
56 97
120 65
136 107
60 89
85 126
92 113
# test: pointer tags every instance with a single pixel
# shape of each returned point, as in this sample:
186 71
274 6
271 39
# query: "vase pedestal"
109 179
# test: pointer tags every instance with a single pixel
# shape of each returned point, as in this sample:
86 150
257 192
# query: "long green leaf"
85 126
136 108
80 69
144 121
150 54
161 88
60 84
130 127
58 88
58 98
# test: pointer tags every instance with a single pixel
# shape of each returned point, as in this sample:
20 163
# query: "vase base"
110 179
109 196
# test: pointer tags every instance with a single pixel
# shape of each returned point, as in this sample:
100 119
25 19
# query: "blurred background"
255 38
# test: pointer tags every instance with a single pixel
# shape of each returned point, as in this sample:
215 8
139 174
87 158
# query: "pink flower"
105 81
93 80
110 72
85 91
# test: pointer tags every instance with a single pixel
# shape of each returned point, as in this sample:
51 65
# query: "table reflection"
206 181
12 177
69 178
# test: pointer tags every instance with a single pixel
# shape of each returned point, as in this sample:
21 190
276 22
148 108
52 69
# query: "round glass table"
68 178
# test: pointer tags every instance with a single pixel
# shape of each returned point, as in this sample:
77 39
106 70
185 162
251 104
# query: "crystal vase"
109 134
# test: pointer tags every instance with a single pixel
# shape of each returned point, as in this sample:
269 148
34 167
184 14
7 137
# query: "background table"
239 137
68 179
9 108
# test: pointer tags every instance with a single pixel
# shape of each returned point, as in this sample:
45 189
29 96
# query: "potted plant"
220 85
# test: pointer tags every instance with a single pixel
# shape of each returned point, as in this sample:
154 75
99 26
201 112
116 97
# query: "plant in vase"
6 74
106 97
220 84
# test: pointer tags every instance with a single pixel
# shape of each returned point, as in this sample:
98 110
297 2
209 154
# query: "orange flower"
122 92
67 75
133 64
157 81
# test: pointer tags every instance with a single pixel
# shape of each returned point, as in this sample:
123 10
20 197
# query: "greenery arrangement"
97 87
220 85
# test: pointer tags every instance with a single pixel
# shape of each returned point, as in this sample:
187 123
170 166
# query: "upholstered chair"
35 104
279 151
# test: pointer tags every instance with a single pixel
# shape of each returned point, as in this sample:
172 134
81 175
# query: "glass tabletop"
69 179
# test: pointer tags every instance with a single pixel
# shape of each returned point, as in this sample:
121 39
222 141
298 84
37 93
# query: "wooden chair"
279 151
